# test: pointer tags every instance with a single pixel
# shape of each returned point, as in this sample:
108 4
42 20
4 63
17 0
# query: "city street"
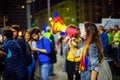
60 75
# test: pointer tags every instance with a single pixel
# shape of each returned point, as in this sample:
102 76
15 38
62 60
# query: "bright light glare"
22 6
50 18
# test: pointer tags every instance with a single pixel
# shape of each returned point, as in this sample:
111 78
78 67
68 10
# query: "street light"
50 18
28 13
4 21
48 1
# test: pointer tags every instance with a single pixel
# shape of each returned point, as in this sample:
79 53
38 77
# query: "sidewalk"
60 75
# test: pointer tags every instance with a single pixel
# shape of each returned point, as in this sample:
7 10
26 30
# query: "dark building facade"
14 12
95 10
78 11
72 11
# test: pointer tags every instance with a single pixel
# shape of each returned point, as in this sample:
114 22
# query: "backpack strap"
43 42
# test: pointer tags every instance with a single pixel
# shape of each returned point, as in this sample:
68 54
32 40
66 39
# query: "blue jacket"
104 42
15 68
44 43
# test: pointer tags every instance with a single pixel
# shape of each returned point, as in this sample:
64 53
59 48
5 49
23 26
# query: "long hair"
92 36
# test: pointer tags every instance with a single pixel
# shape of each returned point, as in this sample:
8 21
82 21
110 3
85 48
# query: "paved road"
60 75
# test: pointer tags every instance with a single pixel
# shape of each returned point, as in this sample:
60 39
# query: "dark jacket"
104 42
15 68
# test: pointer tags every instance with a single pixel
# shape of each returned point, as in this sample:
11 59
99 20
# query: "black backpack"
28 56
26 50
52 55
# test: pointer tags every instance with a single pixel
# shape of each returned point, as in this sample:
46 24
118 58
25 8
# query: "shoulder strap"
28 49
43 42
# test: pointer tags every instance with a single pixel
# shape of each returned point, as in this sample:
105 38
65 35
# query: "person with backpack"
44 50
24 45
92 52
15 29
53 56
14 61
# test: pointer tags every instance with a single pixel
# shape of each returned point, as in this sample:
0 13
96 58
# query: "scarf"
83 60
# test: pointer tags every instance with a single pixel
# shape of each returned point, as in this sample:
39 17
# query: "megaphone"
71 32
58 26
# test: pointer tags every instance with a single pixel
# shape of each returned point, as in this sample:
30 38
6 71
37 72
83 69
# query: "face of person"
4 38
15 33
27 36
108 30
115 29
83 32
35 36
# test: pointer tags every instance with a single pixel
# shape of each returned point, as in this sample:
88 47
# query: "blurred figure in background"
116 41
110 38
104 40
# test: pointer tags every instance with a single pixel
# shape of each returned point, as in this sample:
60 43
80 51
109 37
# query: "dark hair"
93 36
16 27
116 26
101 27
35 31
7 33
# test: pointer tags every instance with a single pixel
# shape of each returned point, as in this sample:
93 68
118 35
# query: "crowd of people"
97 43
24 57
27 56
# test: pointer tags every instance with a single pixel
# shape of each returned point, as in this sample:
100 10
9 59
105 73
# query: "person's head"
35 34
76 29
90 33
7 34
116 27
15 29
108 30
27 36
100 29
48 29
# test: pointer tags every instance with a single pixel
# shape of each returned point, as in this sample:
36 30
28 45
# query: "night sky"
12 10
42 4
39 4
